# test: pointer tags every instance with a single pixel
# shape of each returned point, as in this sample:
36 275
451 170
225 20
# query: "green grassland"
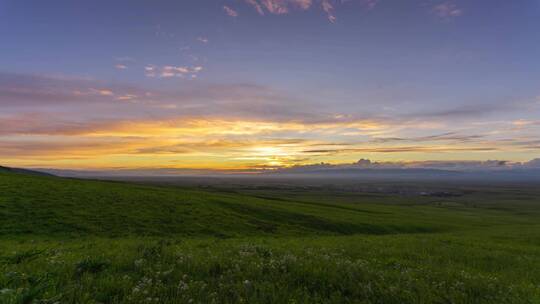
81 241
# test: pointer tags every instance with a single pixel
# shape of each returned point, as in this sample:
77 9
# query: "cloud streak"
283 7
444 10
230 12
447 10
172 71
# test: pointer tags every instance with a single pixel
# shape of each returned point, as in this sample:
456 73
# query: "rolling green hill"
80 241
56 207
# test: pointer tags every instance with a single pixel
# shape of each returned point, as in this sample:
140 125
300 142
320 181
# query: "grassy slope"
48 206
82 242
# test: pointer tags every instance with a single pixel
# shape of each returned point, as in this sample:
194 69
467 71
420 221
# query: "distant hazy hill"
482 174
364 169
24 171
369 171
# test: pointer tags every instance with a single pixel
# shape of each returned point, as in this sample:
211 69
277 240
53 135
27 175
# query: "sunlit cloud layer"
94 124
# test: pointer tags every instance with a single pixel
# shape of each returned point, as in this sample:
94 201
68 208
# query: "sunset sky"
240 84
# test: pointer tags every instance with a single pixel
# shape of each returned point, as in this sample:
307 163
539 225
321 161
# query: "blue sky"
315 72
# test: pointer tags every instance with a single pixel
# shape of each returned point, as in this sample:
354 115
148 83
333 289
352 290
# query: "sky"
263 84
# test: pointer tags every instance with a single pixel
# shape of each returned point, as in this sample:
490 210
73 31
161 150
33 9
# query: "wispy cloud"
447 10
245 99
443 10
125 59
123 62
256 5
525 122
445 137
102 92
127 97
465 111
402 149
282 7
329 9
370 4
204 40
172 71
230 12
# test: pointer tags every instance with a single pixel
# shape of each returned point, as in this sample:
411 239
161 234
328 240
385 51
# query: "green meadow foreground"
77 241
